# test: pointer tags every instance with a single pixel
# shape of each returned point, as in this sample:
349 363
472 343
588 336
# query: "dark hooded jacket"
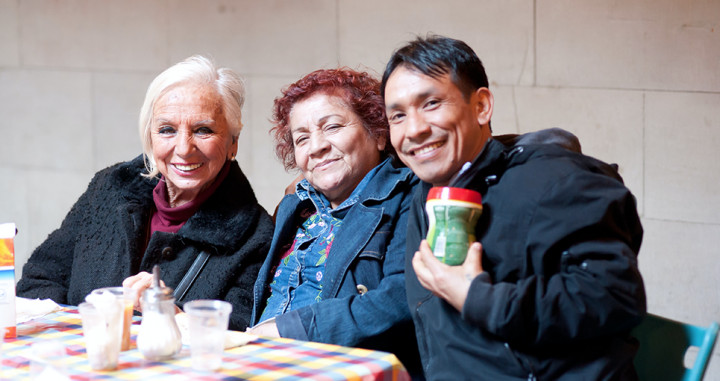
560 290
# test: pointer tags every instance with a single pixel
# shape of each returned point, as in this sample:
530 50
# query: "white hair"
196 70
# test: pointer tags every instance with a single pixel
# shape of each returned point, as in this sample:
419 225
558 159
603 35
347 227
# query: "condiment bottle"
159 336
452 216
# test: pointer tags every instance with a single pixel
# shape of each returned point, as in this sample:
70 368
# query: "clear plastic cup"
207 326
127 297
102 329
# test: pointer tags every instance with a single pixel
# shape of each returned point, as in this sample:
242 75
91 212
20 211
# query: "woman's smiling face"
191 140
333 149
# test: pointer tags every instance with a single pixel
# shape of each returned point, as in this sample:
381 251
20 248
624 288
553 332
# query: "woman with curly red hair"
335 272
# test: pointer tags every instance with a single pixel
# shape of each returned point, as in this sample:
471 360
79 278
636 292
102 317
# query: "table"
261 359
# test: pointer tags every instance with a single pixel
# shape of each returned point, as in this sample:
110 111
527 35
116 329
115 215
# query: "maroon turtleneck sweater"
168 219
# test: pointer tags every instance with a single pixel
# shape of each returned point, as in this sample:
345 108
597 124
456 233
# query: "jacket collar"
486 169
224 219
508 151
134 187
389 175
228 216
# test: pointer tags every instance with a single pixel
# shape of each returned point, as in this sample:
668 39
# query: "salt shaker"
159 337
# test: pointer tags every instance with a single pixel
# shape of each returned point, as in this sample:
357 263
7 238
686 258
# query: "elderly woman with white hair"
183 204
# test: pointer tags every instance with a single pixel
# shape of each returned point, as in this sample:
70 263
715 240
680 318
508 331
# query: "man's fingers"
419 265
424 276
472 261
426 251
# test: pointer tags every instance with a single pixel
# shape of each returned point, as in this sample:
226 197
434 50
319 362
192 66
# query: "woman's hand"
268 329
140 282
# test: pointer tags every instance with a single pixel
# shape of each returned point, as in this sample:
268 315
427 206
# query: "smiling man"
552 289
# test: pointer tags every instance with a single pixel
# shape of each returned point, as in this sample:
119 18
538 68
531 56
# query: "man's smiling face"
434 128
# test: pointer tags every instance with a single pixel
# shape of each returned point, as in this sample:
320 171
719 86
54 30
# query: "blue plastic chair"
663 345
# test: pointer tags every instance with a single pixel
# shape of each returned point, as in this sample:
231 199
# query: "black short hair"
436 56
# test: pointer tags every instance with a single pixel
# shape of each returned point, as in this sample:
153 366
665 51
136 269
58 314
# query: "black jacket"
561 288
103 240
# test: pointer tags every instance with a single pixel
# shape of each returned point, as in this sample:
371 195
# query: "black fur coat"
103 240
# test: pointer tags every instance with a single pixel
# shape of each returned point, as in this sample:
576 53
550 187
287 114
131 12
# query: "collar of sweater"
224 219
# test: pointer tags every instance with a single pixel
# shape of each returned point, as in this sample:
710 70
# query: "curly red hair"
359 90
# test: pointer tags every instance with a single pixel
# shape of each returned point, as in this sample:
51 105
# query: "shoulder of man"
544 157
555 135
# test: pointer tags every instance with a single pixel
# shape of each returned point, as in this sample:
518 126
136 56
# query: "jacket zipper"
421 340
524 364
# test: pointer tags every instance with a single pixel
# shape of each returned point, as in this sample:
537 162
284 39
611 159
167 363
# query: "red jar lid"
451 193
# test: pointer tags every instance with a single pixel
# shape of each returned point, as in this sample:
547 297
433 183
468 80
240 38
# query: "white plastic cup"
127 296
207 327
102 329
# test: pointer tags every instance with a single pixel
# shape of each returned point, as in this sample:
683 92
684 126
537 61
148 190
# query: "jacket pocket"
376 247
368 267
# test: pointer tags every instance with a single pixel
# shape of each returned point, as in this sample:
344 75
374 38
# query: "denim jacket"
363 300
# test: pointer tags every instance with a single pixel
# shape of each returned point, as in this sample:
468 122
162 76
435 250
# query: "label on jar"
451 229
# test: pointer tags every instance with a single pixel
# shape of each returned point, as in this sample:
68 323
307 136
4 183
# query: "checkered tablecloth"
261 359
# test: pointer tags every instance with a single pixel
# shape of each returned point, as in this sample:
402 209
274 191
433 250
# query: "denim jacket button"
361 289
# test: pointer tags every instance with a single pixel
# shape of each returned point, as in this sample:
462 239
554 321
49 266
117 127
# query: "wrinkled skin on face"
191 140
